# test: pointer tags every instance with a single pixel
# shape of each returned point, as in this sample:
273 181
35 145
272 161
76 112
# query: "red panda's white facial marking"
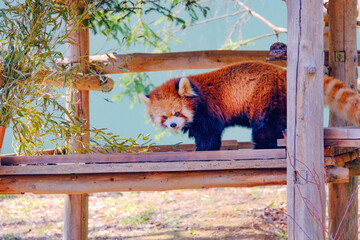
169 112
174 123
174 117
188 114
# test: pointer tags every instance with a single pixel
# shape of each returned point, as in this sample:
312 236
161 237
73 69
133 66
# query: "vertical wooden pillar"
343 215
76 206
305 170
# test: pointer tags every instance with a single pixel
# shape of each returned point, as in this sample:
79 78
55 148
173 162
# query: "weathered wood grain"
146 157
305 144
84 82
157 181
149 62
342 26
342 133
76 206
143 167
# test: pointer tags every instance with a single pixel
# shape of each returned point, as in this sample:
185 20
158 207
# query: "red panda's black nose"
173 125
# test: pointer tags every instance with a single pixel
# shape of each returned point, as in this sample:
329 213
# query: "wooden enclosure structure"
300 166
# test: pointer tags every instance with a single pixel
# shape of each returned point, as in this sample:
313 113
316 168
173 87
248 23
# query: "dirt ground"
221 213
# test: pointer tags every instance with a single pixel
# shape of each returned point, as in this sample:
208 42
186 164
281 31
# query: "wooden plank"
114 182
342 26
84 82
331 142
146 157
337 136
343 158
345 133
337 174
91 183
305 175
149 62
158 166
342 143
143 167
225 145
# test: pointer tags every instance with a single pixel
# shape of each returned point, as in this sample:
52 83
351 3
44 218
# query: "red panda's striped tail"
342 100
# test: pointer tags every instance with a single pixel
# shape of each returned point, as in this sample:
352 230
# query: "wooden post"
343 206
305 170
76 206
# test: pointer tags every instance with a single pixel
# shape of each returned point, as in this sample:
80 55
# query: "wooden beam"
343 216
337 174
76 206
337 137
148 62
305 175
342 133
144 167
83 82
146 157
331 143
225 145
157 181
342 158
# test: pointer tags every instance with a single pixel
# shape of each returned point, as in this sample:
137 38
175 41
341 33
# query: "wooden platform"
179 168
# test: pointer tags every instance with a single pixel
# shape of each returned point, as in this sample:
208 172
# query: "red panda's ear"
145 99
185 88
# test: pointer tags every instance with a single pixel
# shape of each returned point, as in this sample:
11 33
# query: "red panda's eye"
177 114
164 117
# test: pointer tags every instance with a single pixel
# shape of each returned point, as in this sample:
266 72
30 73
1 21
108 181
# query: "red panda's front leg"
207 132
208 143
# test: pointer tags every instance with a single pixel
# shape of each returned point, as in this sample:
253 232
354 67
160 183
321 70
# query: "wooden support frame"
342 39
305 176
76 205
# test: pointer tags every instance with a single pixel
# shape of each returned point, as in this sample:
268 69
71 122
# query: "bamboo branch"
253 39
212 19
261 18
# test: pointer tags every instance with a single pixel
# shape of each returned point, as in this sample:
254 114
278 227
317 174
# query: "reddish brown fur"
251 94
246 87
236 89
342 99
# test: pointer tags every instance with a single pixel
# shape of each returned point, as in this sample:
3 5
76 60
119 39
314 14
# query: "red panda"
249 94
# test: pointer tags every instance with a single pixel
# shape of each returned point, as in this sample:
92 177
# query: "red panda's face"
170 113
170 107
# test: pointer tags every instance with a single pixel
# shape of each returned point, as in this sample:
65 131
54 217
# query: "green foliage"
134 83
31 34
137 22
125 20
